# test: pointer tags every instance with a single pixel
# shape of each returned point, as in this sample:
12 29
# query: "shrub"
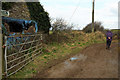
38 14
61 25
97 27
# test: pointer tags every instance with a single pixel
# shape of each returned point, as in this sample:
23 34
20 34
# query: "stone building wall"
20 11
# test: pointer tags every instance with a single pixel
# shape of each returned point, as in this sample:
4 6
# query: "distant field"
115 30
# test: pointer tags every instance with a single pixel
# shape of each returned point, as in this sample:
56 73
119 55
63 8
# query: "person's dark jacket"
109 34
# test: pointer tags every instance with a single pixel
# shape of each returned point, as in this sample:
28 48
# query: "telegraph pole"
93 5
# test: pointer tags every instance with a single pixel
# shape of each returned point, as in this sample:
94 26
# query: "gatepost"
1 53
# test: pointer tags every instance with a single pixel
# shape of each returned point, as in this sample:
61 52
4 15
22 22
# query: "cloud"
108 15
106 11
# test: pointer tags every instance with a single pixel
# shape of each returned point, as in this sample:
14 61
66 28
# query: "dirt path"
92 62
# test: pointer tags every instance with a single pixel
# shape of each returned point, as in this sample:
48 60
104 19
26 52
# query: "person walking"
109 35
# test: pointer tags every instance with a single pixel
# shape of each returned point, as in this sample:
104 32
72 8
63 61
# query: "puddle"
80 57
76 59
68 65
73 61
73 58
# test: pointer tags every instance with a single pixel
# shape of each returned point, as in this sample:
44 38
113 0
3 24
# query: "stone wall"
20 11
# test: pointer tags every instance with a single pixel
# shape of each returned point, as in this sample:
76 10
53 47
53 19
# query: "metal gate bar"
23 56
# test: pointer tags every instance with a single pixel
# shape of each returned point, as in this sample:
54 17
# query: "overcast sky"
106 11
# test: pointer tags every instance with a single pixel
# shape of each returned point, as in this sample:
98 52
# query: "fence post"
1 52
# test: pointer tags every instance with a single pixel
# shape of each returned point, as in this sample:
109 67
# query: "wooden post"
93 15
1 53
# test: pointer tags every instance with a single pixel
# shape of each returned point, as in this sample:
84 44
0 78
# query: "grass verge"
55 53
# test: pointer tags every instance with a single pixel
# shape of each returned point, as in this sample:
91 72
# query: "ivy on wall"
38 14
7 5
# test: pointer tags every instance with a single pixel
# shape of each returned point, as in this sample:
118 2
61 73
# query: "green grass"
50 32
53 52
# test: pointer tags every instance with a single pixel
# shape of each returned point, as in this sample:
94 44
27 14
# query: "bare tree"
60 24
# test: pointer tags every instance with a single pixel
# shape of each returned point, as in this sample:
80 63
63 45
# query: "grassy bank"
56 52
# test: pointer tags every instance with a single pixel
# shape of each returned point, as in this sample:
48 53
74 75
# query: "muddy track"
92 62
